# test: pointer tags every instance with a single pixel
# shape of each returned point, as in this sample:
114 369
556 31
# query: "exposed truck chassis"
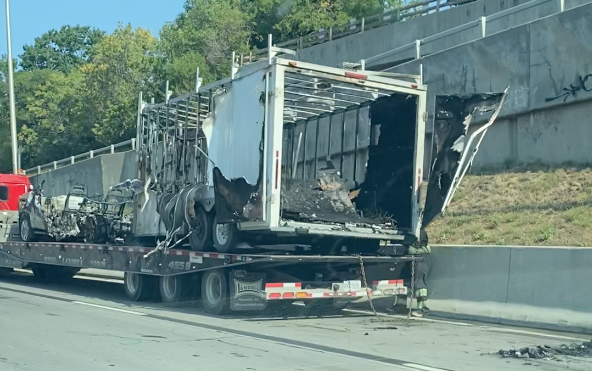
76 217
227 281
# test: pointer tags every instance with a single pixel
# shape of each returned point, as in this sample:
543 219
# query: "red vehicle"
12 187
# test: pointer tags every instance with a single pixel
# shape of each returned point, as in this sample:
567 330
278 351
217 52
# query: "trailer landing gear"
139 287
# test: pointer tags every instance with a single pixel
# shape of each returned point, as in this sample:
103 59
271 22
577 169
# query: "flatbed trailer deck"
224 281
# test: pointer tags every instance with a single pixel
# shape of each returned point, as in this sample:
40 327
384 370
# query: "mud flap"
455 146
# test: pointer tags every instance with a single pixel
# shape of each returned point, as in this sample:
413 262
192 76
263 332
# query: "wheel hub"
222 233
169 286
213 288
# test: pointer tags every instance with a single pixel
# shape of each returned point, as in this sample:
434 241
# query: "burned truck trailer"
292 153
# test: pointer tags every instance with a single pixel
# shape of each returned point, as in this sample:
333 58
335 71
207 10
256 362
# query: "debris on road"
545 351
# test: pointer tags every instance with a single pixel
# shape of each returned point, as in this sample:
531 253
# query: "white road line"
110 308
464 324
526 332
422 367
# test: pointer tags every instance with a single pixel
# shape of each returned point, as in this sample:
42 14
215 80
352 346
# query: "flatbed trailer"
224 282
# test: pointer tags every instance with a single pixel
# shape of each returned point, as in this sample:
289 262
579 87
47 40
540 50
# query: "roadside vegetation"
523 205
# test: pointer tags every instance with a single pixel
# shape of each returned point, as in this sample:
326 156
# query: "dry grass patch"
526 205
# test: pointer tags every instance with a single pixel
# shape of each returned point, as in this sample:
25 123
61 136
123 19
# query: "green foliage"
61 50
5 150
181 72
122 66
290 19
211 28
51 113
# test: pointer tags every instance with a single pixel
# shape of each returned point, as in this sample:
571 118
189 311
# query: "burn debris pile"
545 351
327 198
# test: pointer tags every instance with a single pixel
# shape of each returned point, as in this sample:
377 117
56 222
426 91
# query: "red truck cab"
12 187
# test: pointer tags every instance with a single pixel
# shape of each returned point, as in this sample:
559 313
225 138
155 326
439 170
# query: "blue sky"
31 18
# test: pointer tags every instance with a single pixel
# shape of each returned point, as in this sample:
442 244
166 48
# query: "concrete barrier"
543 287
96 174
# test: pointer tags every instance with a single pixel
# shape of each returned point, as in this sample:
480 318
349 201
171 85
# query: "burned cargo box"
365 152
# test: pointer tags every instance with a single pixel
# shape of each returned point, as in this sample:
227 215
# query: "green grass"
523 205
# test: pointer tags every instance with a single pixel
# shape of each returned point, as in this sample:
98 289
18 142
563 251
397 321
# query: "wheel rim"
222 233
132 281
25 230
169 286
213 289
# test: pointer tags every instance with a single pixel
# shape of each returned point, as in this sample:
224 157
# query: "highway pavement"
87 323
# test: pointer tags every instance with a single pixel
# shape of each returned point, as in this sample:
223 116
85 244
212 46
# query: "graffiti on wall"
583 83
518 99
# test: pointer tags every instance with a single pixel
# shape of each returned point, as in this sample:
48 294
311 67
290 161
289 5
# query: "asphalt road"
88 324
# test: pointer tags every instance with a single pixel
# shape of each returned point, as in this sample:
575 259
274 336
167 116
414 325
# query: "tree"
61 50
5 146
181 72
211 28
51 116
123 64
287 20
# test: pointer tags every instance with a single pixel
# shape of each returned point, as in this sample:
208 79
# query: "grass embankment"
526 205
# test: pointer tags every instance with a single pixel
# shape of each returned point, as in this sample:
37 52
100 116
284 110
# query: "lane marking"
422 367
465 324
110 308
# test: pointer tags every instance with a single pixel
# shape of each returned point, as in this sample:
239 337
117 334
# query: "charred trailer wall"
372 147
388 187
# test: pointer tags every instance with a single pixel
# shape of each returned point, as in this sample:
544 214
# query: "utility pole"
11 94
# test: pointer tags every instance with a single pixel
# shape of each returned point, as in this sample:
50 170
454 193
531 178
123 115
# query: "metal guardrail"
481 22
113 148
354 26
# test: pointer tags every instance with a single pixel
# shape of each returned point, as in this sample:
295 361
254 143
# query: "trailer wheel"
27 233
225 236
214 291
171 288
200 238
139 287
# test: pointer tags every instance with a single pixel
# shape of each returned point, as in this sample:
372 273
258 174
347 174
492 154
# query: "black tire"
171 288
200 238
5 271
26 230
214 291
225 236
139 287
